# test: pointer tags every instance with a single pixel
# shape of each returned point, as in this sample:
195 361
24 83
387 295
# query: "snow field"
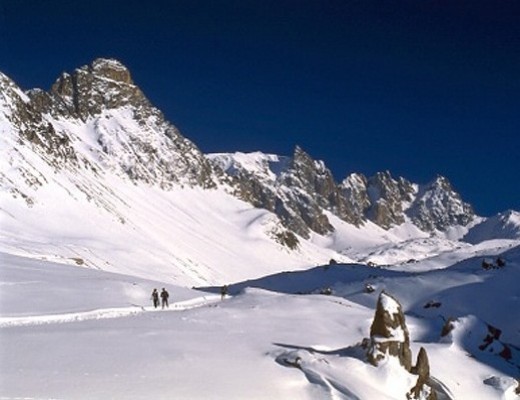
91 334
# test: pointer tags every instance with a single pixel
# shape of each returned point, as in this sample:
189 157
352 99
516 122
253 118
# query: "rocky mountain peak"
438 206
103 84
118 130
110 69
388 198
96 118
354 189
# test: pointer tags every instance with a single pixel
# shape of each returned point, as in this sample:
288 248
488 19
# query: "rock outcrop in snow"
422 390
389 335
481 338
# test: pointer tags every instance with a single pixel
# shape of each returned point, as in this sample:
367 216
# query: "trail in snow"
106 313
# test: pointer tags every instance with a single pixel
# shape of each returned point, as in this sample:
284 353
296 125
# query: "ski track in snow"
105 313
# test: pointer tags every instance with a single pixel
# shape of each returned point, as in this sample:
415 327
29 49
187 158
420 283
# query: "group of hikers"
164 295
164 298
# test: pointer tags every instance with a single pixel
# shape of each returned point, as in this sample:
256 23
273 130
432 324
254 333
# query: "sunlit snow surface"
75 333
82 249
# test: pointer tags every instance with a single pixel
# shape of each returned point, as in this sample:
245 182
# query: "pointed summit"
388 197
104 84
438 206
111 69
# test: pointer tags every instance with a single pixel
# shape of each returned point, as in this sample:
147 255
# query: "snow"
389 304
502 226
82 249
265 166
84 328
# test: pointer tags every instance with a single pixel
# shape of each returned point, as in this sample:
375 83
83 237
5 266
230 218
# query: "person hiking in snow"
164 297
155 298
224 291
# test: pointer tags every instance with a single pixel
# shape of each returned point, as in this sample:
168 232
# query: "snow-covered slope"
118 188
92 174
86 334
102 199
502 226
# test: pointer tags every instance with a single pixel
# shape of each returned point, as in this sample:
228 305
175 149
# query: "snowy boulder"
388 334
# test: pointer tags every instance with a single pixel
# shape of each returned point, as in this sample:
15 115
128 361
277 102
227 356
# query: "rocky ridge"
301 191
96 119
128 135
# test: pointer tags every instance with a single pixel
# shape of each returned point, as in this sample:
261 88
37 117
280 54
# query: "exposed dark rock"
432 304
387 198
389 338
288 239
422 390
389 334
448 327
354 189
104 84
326 291
438 206
369 288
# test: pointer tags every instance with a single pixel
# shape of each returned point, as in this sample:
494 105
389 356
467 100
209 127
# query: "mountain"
92 164
121 131
357 289
299 189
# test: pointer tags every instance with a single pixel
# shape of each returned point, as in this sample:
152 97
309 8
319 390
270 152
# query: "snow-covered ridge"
382 199
505 225
132 138
266 167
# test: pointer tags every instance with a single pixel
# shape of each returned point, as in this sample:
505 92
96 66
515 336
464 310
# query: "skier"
164 297
155 298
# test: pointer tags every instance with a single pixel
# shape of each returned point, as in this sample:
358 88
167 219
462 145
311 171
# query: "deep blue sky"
415 87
